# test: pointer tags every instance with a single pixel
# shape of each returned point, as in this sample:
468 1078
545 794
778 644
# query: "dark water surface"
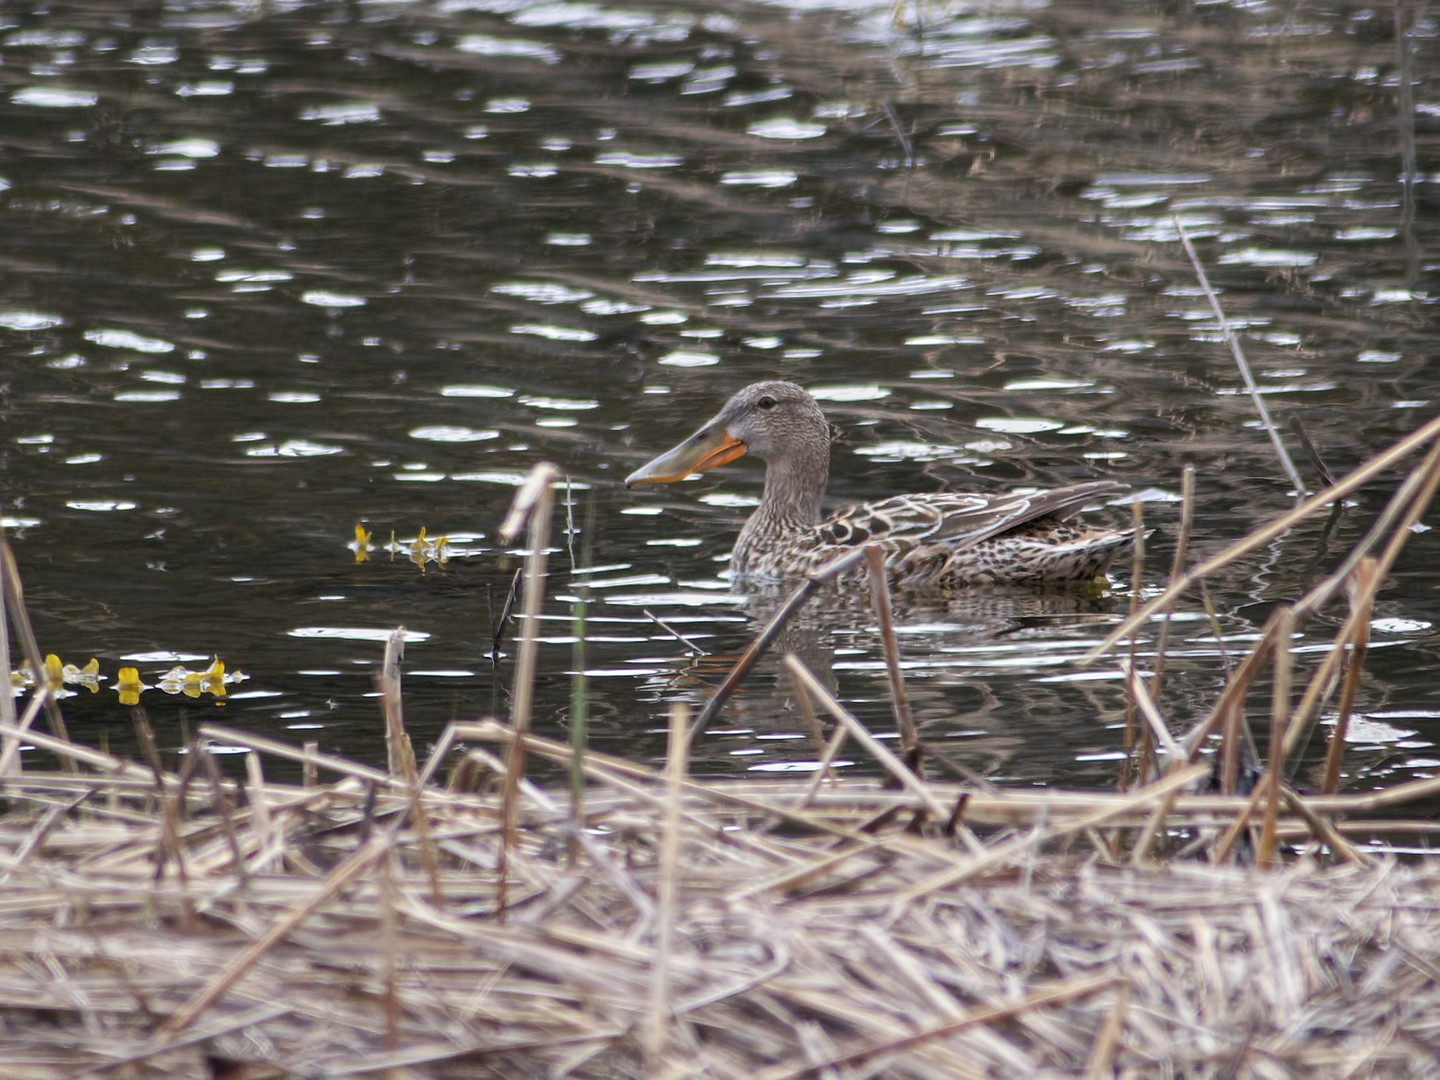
271 270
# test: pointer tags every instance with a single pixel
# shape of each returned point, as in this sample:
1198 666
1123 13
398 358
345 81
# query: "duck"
935 541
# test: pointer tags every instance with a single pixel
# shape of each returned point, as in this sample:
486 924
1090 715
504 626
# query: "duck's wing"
955 519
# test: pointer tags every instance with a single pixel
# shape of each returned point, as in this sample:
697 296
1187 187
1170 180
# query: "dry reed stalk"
812 725
1137 579
1362 599
793 603
10 756
656 1026
1011 808
8 762
1403 511
375 848
1102 1055
1145 703
274 747
1239 354
899 699
1257 538
20 620
1137 799
857 731
1053 994
1324 831
1279 716
259 802
533 503
828 749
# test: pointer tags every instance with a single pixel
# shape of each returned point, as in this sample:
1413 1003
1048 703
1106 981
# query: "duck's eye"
766 402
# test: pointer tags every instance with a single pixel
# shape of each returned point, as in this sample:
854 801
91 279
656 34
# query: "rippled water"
272 270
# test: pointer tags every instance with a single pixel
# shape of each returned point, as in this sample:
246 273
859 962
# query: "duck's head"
776 421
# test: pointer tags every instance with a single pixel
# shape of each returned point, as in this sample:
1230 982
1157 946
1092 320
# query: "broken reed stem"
1279 714
1262 536
880 598
401 755
1362 597
669 891
793 603
397 744
533 502
1238 353
20 620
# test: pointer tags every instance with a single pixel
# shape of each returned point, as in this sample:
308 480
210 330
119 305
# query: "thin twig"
1234 342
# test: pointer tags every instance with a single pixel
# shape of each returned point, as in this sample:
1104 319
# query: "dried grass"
848 936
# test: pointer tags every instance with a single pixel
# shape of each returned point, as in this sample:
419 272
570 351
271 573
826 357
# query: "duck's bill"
708 448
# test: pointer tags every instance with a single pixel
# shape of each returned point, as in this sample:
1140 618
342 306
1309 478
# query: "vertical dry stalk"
1235 350
171 848
259 804
7 698
656 1026
1362 595
533 502
1177 568
880 598
1137 580
1279 713
25 633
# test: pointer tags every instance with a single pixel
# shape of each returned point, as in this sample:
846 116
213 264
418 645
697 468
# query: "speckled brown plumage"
935 541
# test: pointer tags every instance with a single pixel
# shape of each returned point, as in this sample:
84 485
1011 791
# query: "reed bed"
447 917
187 925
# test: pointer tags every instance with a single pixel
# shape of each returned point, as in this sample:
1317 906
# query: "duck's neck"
794 489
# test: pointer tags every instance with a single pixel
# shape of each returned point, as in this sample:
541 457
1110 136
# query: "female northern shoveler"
930 541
